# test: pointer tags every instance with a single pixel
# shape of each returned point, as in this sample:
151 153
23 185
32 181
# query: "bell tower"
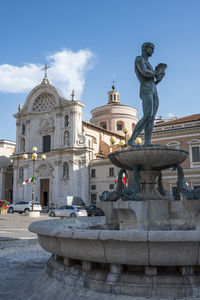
113 96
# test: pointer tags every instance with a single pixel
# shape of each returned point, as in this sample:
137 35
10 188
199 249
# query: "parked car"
93 210
71 211
24 206
4 203
71 200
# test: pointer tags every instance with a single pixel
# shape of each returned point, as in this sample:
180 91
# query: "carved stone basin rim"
129 247
153 157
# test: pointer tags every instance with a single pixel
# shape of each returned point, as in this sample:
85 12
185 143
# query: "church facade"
54 125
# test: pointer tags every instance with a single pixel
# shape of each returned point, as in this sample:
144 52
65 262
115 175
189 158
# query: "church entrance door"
44 192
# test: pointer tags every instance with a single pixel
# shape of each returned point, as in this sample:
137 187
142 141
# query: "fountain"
147 246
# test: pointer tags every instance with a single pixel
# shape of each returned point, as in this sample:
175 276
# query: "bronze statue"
148 92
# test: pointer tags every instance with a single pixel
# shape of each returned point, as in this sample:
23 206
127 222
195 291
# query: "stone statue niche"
66 138
65 170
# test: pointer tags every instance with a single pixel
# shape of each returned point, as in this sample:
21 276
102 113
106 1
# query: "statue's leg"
149 126
147 106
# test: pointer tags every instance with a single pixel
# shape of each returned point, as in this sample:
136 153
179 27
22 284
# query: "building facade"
181 133
7 148
53 125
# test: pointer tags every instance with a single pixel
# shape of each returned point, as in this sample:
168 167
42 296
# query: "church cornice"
71 150
111 105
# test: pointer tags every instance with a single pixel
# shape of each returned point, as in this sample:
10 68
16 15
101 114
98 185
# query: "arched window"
111 97
22 145
120 125
23 129
103 125
133 126
21 174
65 170
174 145
66 138
66 121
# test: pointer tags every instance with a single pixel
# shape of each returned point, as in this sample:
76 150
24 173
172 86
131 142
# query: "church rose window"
44 102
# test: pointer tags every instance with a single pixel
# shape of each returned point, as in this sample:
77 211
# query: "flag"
123 178
32 180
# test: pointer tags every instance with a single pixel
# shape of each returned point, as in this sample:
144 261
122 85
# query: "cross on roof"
114 81
113 84
46 67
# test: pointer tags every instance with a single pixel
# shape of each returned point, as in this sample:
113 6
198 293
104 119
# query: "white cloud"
67 72
170 115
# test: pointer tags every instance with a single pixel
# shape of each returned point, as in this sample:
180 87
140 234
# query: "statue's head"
148 48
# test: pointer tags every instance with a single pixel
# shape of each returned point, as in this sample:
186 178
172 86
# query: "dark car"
93 210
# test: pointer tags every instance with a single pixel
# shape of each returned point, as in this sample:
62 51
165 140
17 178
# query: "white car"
24 206
71 211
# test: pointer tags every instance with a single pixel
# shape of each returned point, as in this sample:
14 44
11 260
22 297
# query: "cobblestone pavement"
21 257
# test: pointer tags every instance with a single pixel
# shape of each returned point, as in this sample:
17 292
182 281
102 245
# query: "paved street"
21 257
15 226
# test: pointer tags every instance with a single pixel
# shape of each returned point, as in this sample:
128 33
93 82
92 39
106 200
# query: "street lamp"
113 141
125 131
122 143
34 157
128 136
138 141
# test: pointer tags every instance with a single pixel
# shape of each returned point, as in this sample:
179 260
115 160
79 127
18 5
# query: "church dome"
114 116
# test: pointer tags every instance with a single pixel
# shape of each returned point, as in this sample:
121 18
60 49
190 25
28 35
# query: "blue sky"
87 42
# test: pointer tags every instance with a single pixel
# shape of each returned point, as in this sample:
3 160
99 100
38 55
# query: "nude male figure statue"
148 93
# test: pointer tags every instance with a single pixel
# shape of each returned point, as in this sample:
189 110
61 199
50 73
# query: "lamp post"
34 158
113 141
122 143
125 131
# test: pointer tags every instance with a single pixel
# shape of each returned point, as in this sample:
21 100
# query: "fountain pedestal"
149 162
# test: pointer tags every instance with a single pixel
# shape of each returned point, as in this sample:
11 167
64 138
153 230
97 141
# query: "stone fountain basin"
152 157
75 239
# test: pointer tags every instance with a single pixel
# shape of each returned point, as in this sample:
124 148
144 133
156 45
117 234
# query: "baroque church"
72 147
